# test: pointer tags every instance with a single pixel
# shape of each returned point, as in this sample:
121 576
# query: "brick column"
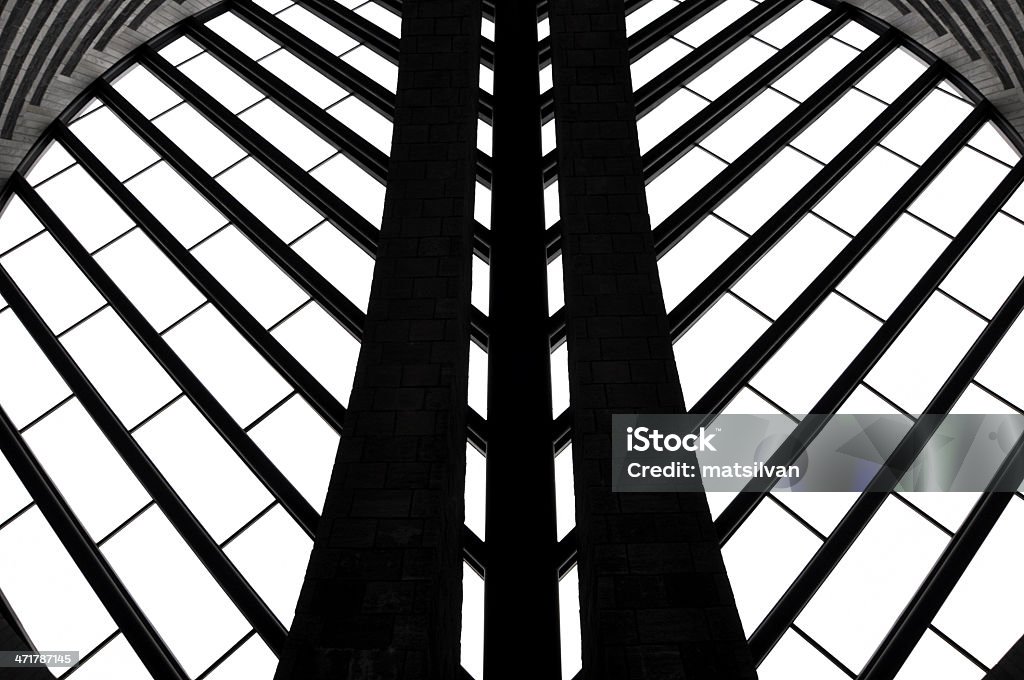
655 599
383 591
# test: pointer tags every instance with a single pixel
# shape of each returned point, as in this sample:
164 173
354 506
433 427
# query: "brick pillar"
383 591
655 599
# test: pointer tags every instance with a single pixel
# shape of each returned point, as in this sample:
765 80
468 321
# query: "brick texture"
382 594
655 599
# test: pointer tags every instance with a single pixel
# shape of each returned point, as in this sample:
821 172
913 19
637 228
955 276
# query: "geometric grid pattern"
835 223
185 271
194 311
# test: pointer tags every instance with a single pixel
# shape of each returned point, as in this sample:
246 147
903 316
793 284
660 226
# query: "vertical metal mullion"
521 545
354 225
126 613
268 347
205 548
765 346
814 574
308 278
686 216
704 295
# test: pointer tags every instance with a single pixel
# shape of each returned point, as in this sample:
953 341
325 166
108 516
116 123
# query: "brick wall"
656 602
383 591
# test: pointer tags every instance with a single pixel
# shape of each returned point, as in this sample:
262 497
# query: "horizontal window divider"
482 242
479 328
561 432
733 176
348 77
356 26
304 274
476 429
487 52
101 577
910 446
177 512
354 225
558 332
301 380
554 237
474 551
695 63
484 169
708 119
486 105
327 127
567 553
719 395
686 313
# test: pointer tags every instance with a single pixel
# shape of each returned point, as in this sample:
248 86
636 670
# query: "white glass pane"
215 484
814 70
123 371
472 641
46 590
293 138
569 624
788 268
302 446
933 658
309 82
92 477
200 139
476 492
863 192
52 282
953 197
556 286
114 143
176 204
51 161
838 126
891 77
230 368
354 186
242 35
481 285
317 30
990 269
367 123
340 261
375 66
478 379
792 23
146 92
927 126
565 492
714 21
116 660
272 202
656 61
666 117
251 661
150 280
763 558
90 214
739 133
560 379
815 355
323 346
143 554
794 658
872 584
982 612
679 182
273 555
213 76
30 385
886 274
249 275
711 345
695 257
762 195
925 353
728 70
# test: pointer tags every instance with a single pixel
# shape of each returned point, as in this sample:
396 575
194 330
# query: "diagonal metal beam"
327 127
329 65
363 30
778 225
354 225
688 215
735 98
301 380
779 332
786 610
308 278
126 613
177 512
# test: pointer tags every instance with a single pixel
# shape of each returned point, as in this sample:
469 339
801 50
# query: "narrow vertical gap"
522 581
